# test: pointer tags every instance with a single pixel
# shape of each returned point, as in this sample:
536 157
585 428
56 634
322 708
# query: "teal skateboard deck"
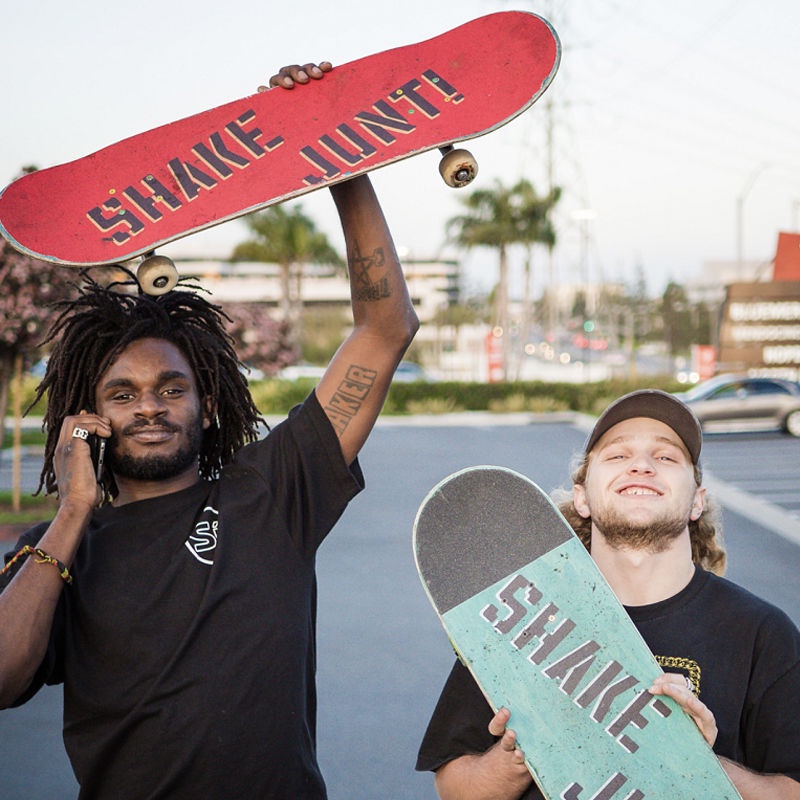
533 619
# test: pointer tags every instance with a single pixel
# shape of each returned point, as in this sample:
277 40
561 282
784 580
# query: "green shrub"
433 405
274 397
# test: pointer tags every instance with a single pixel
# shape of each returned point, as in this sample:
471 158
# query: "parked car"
303 370
736 402
409 372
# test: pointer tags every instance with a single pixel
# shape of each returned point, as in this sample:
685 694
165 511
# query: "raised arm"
355 385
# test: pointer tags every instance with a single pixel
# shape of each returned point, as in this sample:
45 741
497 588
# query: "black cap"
654 404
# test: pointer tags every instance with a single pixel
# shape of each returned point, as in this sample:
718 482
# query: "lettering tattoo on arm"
364 287
350 395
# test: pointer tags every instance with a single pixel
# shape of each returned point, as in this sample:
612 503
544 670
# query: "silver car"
734 402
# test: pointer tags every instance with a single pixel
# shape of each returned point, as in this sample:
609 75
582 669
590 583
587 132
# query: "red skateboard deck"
150 189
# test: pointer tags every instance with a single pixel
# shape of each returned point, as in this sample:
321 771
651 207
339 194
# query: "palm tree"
536 227
291 240
501 217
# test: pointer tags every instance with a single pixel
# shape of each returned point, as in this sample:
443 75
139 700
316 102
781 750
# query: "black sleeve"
302 472
460 722
771 730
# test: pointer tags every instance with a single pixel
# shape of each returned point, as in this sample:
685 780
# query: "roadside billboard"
760 329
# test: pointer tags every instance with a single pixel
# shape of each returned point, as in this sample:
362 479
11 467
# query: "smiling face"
640 489
150 395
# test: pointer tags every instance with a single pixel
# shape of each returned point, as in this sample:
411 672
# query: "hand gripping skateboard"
145 191
531 616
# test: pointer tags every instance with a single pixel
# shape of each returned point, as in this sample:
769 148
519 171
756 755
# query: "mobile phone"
98 449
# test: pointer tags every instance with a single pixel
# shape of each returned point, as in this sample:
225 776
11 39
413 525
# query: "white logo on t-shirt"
203 540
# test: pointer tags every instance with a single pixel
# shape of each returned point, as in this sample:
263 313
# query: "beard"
654 536
158 467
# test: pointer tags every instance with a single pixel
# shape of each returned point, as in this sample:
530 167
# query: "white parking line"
757 510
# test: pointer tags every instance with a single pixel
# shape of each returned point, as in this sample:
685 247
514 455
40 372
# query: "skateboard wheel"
458 168
157 275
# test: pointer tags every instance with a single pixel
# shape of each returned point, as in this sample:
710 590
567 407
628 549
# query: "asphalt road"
382 654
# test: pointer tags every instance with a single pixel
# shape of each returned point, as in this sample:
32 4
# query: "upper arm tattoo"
365 288
349 396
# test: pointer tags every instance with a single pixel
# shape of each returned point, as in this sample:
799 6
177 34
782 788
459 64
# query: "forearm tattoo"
349 397
365 288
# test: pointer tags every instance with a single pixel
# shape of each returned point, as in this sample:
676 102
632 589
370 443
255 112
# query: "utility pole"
549 113
751 179
552 310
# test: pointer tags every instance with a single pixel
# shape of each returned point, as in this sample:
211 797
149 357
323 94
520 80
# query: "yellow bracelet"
42 558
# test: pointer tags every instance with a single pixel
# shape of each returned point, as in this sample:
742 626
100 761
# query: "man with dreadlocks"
176 601
731 660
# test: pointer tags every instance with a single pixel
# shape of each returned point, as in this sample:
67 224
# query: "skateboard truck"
457 167
156 274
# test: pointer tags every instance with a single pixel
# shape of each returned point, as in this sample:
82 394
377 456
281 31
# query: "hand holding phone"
98 449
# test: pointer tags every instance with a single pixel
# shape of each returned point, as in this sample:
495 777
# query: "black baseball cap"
655 404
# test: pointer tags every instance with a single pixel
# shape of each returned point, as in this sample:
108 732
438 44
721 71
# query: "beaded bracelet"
42 558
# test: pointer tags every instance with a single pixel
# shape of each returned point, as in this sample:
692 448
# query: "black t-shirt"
186 643
741 653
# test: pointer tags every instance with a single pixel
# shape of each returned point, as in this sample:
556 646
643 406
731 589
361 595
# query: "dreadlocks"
90 333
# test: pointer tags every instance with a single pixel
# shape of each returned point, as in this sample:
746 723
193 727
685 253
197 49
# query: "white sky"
666 115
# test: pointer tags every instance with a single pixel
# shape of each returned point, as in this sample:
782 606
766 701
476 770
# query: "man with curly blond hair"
731 660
